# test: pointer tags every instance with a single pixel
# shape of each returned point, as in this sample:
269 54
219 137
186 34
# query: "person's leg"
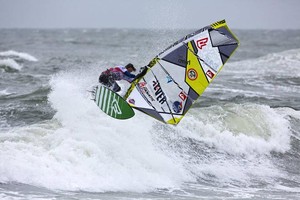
116 87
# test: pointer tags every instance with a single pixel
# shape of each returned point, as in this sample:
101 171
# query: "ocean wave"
274 76
21 55
285 63
239 129
5 93
83 149
10 65
89 151
36 95
9 61
229 144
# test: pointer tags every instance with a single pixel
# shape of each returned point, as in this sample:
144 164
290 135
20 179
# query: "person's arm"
127 73
142 73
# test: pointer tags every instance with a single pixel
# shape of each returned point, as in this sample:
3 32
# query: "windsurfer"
110 76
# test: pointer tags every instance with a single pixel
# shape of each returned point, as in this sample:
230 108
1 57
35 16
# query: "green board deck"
112 103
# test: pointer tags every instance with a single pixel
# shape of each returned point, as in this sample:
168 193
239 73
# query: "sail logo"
182 96
177 106
146 91
169 79
142 84
115 108
202 42
131 101
160 96
192 74
184 61
210 74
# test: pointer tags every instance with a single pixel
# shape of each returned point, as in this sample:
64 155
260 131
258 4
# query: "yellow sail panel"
195 76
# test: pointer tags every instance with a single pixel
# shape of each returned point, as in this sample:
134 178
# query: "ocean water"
240 140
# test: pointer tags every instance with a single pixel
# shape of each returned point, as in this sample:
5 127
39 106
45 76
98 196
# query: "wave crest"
10 61
9 65
24 56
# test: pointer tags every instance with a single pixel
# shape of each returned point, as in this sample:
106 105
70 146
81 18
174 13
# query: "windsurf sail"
178 76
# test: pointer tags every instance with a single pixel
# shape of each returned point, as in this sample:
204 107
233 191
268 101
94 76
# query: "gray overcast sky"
241 14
